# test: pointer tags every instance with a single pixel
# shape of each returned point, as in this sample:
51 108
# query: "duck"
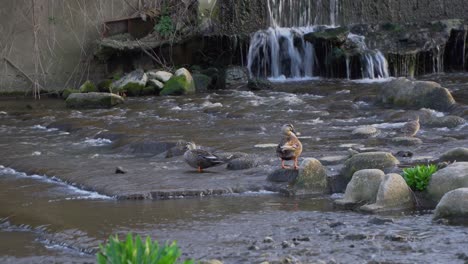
411 127
199 158
289 148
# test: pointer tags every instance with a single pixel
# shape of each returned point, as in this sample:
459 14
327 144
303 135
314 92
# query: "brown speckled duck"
290 148
411 127
199 158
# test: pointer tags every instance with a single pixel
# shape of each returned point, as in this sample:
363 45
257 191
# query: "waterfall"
281 51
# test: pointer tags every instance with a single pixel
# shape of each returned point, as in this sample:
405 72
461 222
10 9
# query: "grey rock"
236 76
453 205
136 77
393 194
380 221
362 188
268 240
333 160
453 177
283 175
287 244
405 93
202 82
93 100
243 163
370 160
456 154
156 83
120 170
445 121
406 141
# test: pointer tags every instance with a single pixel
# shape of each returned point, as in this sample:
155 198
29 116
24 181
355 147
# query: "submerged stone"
93 100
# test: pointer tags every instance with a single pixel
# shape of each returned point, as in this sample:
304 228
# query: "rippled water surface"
60 196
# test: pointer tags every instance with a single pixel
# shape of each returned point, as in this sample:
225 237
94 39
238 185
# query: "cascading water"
281 51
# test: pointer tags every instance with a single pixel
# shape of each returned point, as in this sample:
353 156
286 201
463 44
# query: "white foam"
36 153
343 92
208 105
283 79
3 113
40 127
377 80
433 112
389 125
56 181
313 121
267 145
259 192
176 108
97 142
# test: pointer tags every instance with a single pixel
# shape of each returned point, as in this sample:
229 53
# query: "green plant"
136 251
418 177
165 26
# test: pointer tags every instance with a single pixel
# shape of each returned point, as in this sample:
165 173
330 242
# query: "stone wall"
52 41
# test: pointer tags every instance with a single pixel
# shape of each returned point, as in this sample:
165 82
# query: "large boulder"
370 160
236 76
363 188
93 100
162 76
415 94
179 84
447 179
456 154
453 206
393 194
131 84
312 178
283 175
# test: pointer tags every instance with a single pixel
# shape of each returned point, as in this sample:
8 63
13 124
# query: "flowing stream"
60 196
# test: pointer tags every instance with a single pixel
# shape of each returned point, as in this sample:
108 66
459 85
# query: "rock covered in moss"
93 100
370 160
445 121
88 87
104 86
312 178
335 36
415 94
132 83
69 91
179 84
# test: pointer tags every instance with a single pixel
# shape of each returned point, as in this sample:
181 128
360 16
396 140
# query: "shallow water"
59 191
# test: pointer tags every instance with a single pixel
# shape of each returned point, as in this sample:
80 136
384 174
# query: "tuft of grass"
418 177
165 27
136 251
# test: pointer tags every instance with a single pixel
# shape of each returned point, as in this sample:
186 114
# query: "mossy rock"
202 82
177 85
335 36
104 86
88 87
149 90
69 91
132 89
93 100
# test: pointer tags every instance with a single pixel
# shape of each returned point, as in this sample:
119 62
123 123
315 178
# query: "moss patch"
104 86
132 89
177 85
88 87
69 91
